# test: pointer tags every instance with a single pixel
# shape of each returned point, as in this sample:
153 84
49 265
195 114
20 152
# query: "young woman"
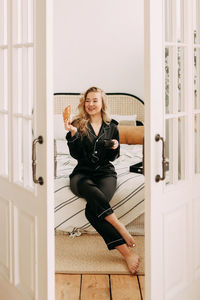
93 140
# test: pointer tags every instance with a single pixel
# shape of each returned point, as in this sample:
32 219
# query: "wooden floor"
98 287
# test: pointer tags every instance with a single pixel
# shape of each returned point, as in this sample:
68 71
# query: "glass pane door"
23 81
175 85
196 18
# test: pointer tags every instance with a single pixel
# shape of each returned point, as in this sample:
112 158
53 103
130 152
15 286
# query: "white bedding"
127 202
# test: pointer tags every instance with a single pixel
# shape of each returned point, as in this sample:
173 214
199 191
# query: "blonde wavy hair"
81 120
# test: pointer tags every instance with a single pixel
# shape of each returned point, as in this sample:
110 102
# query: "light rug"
88 253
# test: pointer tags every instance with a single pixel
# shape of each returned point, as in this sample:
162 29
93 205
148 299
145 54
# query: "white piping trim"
73 139
104 212
92 133
114 241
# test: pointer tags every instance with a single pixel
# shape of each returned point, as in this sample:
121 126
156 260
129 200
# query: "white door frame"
171 210
28 211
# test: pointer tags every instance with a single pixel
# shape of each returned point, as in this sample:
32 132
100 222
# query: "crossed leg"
99 213
112 219
114 240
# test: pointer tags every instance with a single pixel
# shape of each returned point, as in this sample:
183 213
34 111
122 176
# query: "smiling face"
93 103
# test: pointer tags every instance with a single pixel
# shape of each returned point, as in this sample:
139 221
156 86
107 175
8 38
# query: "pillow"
60 151
125 119
61 147
131 134
59 129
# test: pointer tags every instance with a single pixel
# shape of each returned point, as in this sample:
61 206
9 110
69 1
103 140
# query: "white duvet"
127 202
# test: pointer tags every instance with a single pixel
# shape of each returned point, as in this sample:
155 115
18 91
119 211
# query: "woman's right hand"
70 127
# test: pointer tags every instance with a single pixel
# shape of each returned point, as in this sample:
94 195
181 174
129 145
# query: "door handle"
158 177
34 162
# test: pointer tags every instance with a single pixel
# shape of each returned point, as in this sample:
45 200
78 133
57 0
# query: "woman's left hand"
116 144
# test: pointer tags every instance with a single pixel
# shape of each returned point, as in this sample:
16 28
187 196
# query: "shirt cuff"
71 138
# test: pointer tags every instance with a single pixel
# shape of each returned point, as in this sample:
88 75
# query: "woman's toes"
133 262
133 269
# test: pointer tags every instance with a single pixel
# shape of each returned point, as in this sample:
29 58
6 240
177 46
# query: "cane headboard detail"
118 104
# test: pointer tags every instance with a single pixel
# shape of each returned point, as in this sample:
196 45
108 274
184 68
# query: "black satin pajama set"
94 178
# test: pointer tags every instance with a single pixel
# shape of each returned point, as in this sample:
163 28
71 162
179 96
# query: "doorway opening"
110 55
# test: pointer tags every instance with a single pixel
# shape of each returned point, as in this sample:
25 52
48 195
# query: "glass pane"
30 21
180 20
1 80
169 150
23 152
174 150
197 78
18 153
168 21
168 80
3 22
17 80
30 81
180 58
25 80
4 79
19 21
27 136
197 142
196 18
4 144
25 21
181 148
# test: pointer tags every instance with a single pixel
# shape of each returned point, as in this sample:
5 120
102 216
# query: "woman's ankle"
124 250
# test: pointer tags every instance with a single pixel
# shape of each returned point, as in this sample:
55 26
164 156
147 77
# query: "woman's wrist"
73 132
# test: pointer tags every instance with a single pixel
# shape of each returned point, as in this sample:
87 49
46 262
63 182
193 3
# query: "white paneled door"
172 165
26 132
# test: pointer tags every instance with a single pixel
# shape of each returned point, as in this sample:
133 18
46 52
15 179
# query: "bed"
128 200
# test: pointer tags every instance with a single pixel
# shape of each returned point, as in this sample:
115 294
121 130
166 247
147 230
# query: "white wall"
99 43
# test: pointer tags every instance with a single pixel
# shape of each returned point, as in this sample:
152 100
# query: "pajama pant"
98 192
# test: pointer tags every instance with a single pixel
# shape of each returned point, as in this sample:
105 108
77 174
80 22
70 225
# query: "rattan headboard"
118 104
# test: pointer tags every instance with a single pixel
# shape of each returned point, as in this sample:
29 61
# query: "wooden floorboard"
141 281
125 287
98 287
67 284
95 287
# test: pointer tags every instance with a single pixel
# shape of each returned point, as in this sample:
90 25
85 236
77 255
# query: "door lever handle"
158 177
34 162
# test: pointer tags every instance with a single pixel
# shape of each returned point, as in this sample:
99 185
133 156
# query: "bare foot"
126 235
133 261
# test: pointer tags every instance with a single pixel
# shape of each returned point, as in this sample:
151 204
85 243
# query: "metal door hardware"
34 162
158 177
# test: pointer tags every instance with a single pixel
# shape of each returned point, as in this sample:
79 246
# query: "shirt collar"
104 127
